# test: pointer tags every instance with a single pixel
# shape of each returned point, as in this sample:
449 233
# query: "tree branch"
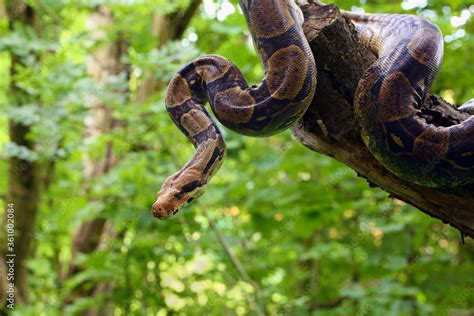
329 126
235 261
184 18
166 27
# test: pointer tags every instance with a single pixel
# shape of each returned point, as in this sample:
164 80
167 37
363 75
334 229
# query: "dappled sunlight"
281 229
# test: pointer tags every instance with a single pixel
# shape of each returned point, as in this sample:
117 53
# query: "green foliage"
306 228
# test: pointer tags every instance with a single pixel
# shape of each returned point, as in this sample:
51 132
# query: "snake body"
389 97
276 103
387 102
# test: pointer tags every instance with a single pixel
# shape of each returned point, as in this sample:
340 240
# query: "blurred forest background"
281 230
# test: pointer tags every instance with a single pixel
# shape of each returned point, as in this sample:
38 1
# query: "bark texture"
329 126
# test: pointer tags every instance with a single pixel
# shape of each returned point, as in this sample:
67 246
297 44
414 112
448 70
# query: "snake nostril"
157 211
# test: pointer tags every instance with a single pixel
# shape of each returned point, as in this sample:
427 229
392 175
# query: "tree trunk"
101 65
104 63
24 178
329 126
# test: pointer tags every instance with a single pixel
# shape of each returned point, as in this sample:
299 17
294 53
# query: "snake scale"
387 101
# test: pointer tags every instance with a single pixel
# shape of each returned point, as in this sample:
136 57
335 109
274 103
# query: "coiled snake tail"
389 97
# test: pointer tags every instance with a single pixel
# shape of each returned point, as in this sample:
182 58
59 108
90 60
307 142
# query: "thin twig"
235 261
220 238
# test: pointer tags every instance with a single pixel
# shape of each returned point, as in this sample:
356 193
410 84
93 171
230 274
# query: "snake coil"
387 101
276 103
389 97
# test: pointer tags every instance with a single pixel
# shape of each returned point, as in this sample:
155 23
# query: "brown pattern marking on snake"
369 27
286 83
217 71
370 40
266 11
168 207
422 47
307 99
396 105
227 105
179 92
262 54
388 98
433 139
257 110
195 122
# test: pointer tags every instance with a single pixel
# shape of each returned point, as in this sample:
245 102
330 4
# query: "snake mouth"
169 200
176 193
161 212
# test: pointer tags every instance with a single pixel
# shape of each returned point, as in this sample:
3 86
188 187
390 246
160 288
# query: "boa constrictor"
387 100
276 103
389 96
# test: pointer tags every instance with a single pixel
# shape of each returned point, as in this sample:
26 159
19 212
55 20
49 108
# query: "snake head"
177 191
